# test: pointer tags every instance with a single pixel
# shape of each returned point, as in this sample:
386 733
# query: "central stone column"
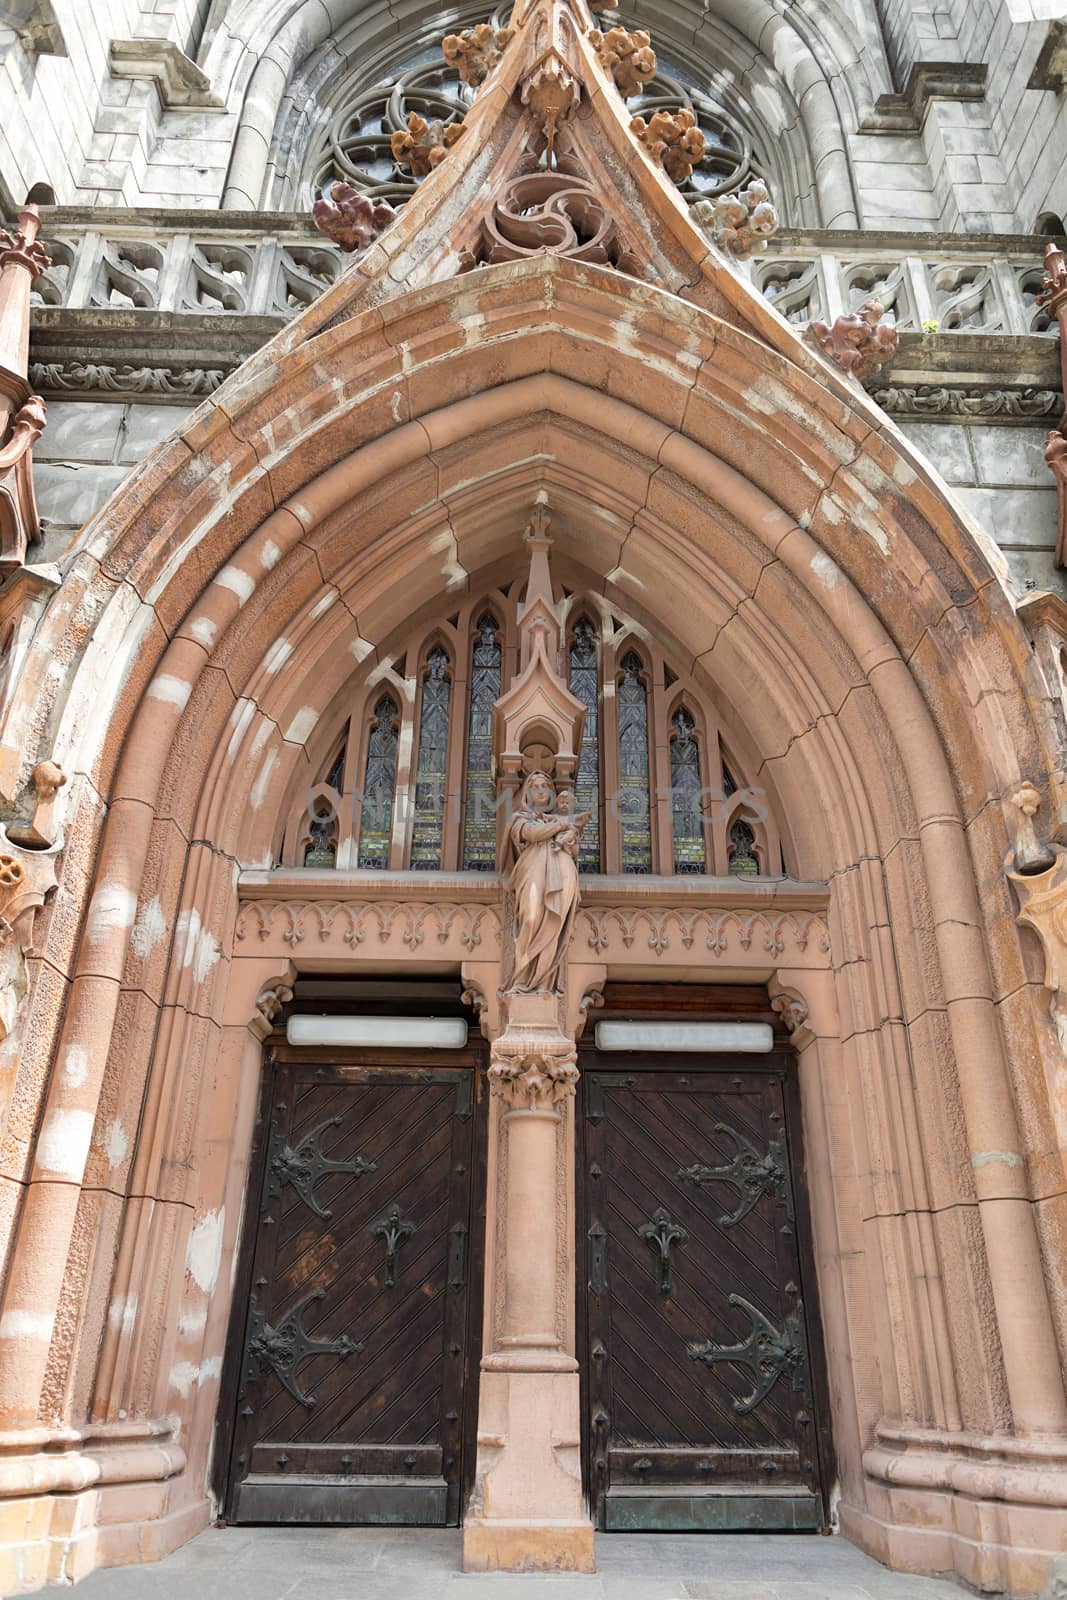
527 1513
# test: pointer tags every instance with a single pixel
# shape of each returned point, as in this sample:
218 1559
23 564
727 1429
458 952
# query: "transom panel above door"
357 1350
702 1400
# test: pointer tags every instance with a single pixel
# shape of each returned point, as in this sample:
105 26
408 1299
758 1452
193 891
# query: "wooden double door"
703 1390
354 1397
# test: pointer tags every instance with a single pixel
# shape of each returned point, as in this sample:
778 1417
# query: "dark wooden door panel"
701 1411
355 1353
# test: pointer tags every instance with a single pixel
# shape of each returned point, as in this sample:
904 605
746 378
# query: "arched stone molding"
859 620
809 84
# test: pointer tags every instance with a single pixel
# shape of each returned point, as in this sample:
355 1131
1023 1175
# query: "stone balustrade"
274 264
948 283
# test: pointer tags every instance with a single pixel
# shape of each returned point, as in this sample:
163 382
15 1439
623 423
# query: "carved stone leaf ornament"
476 51
671 140
629 58
423 145
739 224
859 342
352 220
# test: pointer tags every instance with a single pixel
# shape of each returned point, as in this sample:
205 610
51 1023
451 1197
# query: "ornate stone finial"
422 145
40 833
629 58
476 51
351 219
739 224
1031 856
672 140
859 342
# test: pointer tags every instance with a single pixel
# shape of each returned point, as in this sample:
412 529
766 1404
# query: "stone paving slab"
423 1564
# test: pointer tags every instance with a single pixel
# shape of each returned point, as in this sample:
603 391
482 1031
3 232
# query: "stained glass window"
321 848
431 773
689 852
633 802
585 686
379 785
479 824
743 861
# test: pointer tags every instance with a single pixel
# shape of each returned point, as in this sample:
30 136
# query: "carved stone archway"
384 451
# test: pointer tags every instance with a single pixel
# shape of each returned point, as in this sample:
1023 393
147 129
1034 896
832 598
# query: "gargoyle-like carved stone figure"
352 220
475 52
859 342
423 145
739 224
541 863
629 58
672 140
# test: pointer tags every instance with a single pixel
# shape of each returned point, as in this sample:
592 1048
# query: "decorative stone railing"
202 262
944 283
185 296
274 264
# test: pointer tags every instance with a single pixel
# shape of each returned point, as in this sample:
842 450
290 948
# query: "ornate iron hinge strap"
284 1348
767 1354
750 1174
661 1233
304 1164
394 1229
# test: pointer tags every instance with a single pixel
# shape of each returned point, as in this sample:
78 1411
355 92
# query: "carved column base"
528 1456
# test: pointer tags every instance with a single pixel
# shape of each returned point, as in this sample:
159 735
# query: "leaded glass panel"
743 859
379 786
321 848
431 773
633 807
689 850
585 686
479 823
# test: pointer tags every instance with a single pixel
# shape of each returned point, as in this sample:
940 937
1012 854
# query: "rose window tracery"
355 145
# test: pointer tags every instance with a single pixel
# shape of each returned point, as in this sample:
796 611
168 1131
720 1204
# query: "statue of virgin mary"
541 870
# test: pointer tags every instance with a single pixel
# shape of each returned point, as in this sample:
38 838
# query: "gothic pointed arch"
379 460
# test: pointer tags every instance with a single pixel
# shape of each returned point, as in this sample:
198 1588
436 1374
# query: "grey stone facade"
916 149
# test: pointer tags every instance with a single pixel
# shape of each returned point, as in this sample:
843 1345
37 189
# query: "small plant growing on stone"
931 325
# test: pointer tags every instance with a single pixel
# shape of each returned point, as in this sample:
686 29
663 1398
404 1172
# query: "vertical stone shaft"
530 1320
